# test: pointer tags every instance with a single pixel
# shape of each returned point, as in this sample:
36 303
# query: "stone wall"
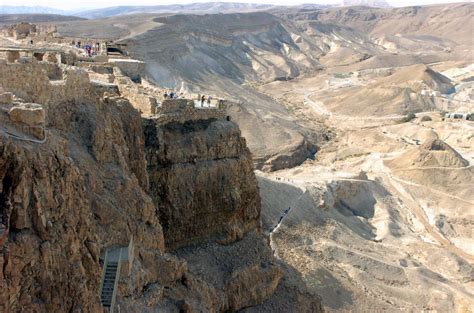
182 110
135 93
131 68
46 30
21 30
65 201
31 82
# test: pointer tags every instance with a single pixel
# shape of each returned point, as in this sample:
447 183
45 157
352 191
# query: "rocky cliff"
102 176
64 201
202 181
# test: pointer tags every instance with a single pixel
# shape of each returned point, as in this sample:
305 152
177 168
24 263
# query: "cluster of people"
172 95
203 100
89 49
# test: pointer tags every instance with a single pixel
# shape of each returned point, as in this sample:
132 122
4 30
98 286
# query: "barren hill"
36 18
369 3
196 8
228 54
396 94
433 153
418 77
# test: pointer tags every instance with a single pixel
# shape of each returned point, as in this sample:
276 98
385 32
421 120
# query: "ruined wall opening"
12 56
115 50
38 56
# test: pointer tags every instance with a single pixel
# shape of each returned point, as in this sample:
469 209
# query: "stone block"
6 97
28 113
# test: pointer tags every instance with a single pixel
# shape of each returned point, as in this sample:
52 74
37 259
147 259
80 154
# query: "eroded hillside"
357 118
231 54
102 207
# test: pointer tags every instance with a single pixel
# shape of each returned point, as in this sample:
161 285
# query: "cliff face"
102 177
202 181
65 201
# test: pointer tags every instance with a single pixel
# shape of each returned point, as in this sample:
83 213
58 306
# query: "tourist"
203 98
165 95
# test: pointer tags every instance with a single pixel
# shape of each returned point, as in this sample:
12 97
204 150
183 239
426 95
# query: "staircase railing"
117 278
102 278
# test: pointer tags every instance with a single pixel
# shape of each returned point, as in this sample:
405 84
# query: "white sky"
74 4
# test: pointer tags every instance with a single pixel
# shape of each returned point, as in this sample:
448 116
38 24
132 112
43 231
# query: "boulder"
6 97
28 113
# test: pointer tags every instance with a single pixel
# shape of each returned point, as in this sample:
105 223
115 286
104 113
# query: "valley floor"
367 226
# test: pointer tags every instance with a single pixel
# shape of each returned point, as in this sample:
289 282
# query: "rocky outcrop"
28 113
202 181
302 152
104 176
64 202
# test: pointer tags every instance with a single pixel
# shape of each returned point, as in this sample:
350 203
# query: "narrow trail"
319 109
430 189
322 110
414 207
433 168
18 137
287 211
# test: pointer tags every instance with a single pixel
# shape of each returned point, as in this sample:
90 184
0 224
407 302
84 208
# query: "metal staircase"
110 278
115 260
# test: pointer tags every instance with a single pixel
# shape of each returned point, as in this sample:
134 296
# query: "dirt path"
394 185
320 109
399 180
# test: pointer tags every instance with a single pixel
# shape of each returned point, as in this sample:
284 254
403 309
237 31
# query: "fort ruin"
111 70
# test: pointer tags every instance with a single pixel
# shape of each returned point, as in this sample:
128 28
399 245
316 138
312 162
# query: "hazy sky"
74 4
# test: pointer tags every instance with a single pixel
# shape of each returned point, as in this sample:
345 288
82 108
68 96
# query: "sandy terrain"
383 219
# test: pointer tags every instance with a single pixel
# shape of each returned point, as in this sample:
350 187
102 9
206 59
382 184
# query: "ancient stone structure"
182 110
20 31
130 67
182 188
135 93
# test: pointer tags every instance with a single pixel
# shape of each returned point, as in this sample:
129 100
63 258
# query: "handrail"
117 277
130 251
106 260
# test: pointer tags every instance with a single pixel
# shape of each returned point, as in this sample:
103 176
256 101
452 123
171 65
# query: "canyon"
329 167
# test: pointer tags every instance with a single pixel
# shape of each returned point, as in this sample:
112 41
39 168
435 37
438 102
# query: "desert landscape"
245 157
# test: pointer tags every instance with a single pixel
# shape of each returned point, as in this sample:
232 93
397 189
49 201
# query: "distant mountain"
208 7
36 18
367 3
12 9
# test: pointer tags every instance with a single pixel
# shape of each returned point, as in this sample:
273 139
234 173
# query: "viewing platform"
182 110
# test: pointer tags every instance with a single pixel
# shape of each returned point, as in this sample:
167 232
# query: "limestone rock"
105 176
252 285
202 181
28 113
6 97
